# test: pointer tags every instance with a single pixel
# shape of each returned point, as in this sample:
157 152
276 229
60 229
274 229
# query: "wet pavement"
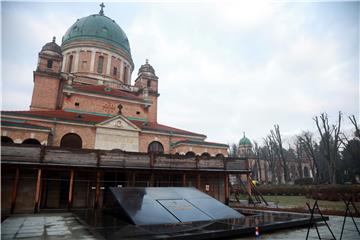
52 226
334 222
56 226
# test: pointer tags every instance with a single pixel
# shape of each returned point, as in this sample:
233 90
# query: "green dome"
245 141
97 27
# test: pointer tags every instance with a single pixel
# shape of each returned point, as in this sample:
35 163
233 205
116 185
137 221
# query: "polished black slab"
168 205
109 226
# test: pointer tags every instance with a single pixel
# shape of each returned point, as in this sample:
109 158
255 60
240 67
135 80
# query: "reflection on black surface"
111 227
168 205
178 212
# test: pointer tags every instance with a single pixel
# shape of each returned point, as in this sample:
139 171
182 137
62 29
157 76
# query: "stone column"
64 63
92 61
108 65
76 63
121 70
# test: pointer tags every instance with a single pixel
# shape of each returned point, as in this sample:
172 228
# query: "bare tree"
256 151
354 122
299 156
308 144
330 138
233 150
276 138
269 155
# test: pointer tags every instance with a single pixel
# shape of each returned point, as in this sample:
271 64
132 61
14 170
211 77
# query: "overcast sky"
224 67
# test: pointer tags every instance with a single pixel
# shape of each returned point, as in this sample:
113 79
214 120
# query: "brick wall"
19 135
94 104
45 92
86 133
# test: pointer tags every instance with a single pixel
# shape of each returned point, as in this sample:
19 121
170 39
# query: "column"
133 179
152 179
71 189
76 63
37 191
63 63
97 191
184 180
128 75
14 192
108 65
92 60
198 181
226 188
121 70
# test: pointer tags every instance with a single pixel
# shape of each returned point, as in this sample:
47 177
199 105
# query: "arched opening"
31 141
49 63
190 154
71 140
306 172
5 139
70 63
155 147
205 155
219 155
100 64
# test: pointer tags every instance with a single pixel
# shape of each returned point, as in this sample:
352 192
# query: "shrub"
321 192
304 181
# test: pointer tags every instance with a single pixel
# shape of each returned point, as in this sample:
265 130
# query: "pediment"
118 122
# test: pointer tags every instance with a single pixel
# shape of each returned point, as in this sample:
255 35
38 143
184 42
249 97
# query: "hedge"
321 192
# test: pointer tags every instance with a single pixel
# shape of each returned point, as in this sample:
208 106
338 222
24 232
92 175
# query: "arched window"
100 64
5 139
306 172
219 155
49 63
155 147
205 155
31 141
70 63
190 154
71 140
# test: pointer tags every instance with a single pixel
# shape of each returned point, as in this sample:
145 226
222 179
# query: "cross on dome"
102 5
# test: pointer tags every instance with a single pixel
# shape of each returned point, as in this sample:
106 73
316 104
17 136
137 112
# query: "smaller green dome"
245 141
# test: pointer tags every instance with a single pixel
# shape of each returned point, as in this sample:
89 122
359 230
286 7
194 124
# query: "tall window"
70 63
125 75
100 64
115 71
49 63
155 147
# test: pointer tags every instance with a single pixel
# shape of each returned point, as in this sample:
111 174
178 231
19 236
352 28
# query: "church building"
87 116
83 97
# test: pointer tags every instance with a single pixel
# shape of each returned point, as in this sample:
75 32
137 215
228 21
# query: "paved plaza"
56 226
44 226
